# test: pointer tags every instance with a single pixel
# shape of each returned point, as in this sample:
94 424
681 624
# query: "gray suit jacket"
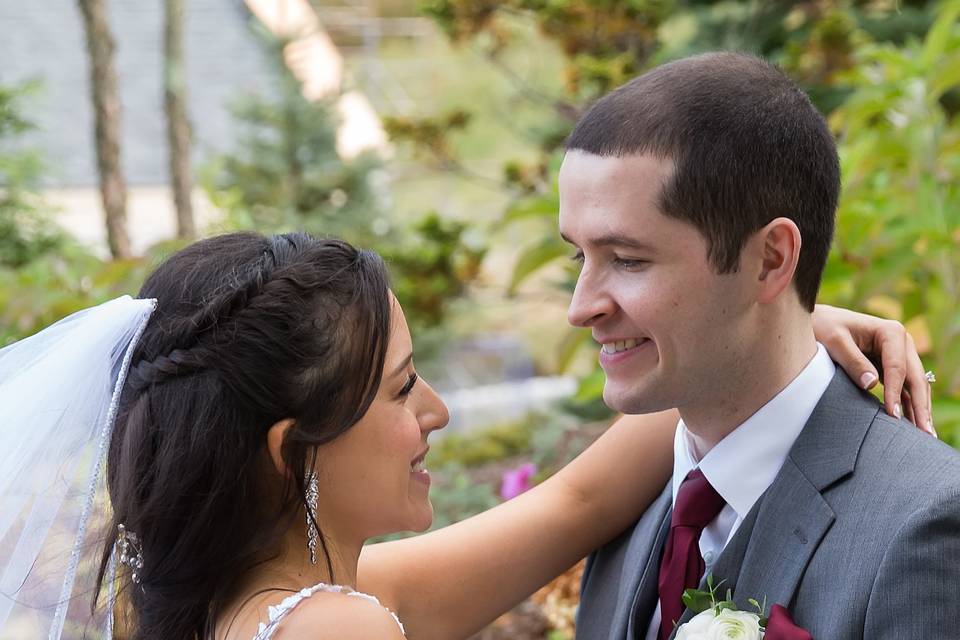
858 536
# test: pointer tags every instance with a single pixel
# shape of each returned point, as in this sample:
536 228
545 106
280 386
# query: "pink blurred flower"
517 480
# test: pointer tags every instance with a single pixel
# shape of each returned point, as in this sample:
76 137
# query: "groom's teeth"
620 345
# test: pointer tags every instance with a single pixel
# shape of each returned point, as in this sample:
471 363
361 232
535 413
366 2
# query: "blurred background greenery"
464 202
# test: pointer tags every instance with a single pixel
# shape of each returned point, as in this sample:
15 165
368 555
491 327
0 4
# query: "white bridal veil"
58 395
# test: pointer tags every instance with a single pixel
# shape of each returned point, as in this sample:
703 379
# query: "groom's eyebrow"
616 240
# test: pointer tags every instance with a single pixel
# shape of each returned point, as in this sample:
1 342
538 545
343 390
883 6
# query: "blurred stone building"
225 58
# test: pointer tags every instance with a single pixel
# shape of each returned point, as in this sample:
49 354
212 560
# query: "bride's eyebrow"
403 365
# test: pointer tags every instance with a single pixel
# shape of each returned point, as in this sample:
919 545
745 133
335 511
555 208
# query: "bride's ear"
275 439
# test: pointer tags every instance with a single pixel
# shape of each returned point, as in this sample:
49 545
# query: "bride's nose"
434 414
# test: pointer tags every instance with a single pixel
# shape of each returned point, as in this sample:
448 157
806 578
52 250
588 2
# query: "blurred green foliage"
286 173
25 231
491 444
44 275
456 496
897 251
432 267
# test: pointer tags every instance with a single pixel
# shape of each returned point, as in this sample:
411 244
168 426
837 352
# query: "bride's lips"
417 469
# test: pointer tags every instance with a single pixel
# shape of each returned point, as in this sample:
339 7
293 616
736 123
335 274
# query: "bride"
259 417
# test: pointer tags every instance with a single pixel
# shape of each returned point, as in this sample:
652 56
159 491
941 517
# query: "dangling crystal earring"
131 554
312 534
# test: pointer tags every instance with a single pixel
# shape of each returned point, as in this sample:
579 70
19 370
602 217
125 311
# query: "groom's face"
669 325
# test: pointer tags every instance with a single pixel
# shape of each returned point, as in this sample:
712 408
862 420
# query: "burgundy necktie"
682 568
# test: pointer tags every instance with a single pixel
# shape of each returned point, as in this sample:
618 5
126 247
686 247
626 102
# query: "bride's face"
372 478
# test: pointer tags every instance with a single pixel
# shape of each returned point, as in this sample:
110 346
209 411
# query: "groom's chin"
632 400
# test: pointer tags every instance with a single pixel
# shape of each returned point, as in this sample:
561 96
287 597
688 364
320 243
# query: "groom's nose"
589 303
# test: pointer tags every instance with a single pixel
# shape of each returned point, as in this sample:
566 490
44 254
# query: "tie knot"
698 503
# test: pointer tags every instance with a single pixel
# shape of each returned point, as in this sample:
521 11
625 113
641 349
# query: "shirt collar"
760 444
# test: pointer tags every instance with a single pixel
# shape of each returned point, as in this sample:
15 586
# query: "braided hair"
249 330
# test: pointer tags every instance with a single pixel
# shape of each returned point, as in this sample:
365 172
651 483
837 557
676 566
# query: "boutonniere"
721 619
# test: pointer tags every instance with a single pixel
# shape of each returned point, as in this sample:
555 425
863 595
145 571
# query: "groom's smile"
667 325
614 352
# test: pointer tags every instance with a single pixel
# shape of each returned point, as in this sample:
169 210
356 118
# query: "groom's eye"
577 257
629 263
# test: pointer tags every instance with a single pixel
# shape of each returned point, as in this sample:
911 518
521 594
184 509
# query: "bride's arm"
452 582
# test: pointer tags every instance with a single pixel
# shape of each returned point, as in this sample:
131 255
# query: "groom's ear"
778 245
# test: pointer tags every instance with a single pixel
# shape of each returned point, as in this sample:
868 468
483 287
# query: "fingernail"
933 431
898 410
867 380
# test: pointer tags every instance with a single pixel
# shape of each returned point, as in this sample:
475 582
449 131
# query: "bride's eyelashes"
408 387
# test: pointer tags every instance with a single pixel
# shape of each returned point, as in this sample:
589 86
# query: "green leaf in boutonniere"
761 608
728 603
697 601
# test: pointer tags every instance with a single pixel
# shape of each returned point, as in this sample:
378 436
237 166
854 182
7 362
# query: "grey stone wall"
44 39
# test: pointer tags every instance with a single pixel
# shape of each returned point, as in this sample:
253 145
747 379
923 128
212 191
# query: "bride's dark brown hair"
248 330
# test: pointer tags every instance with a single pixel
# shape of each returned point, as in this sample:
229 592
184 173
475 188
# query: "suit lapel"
827 449
645 598
793 518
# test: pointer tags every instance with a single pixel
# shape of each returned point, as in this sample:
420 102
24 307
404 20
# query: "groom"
700 198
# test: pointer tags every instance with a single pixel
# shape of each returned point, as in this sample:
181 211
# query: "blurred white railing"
492 404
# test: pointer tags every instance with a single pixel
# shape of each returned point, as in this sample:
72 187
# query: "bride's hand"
854 339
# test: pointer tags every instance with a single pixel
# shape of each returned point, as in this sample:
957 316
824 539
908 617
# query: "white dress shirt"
760 445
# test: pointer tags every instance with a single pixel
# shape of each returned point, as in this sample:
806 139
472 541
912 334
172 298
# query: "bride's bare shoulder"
330 616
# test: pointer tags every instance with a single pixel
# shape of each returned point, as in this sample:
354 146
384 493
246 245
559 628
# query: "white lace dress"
277 613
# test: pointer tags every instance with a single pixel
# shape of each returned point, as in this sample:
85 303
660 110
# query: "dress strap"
277 613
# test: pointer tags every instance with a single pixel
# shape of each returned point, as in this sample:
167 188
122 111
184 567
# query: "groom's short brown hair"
747 147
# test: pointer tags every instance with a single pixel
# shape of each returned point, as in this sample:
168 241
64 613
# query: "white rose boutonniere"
726 625
720 619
